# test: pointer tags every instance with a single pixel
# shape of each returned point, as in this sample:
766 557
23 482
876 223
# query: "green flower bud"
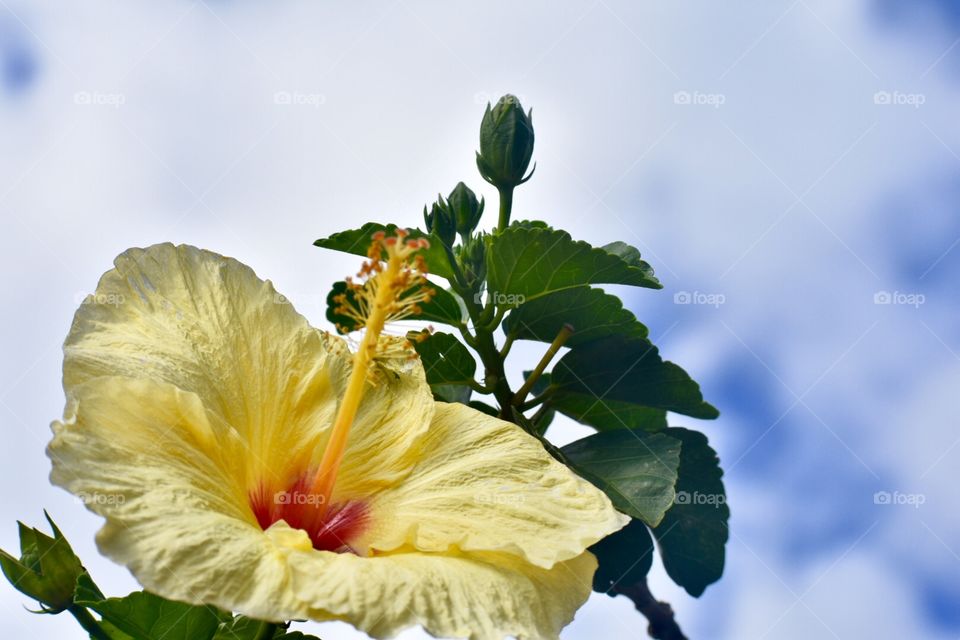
47 569
440 221
465 209
473 259
506 143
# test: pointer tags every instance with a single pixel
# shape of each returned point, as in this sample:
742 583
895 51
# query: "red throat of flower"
331 529
386 291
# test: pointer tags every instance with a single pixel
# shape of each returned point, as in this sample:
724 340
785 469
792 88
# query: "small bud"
473 259
440 221
465 209
506 143
47 570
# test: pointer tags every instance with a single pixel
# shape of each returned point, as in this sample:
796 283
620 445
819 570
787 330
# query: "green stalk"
483 343
558 342
88 622
267 631
506 206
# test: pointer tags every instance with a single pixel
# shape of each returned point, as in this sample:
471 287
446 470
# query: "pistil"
385 295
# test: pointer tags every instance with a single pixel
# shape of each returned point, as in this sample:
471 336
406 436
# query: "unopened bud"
465 208
506 143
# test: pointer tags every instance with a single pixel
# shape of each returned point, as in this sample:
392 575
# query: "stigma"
396 289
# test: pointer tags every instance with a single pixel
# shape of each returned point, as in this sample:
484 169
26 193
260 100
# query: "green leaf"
47 569
527 263
451 393
628 371
629 254
483 407
592 313
625 557
609 415
146 616
636 470
694 532
244 628
113 633
357 242
445 359
529 224
443 307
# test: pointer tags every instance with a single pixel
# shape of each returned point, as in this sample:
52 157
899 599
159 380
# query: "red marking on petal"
332 529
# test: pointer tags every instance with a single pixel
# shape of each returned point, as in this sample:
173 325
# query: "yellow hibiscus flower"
204 422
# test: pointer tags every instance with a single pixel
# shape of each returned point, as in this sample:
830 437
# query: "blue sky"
813 169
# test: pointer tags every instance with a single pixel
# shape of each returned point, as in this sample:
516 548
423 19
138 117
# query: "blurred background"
789 167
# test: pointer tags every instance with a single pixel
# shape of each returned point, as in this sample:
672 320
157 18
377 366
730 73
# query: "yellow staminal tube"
380 299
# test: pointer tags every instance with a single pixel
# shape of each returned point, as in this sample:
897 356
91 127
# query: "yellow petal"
485 596
483 484
207 325
161 469
157 465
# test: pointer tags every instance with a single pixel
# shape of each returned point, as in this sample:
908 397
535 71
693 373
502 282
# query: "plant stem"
88 622
505 349
506 206
663 626
562 337
540 399
496 376
536 420
495 380
467 336
496 318
267 631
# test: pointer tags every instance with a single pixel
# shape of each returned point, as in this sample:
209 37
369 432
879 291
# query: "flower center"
384 293
334 530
